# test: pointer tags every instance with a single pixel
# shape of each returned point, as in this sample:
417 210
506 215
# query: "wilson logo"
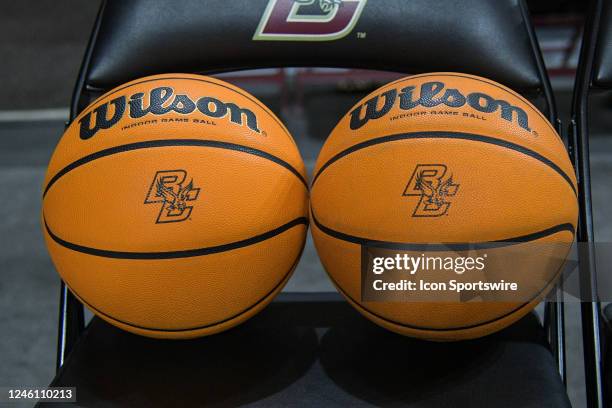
433 94
162 101
428 183
308 20
171 191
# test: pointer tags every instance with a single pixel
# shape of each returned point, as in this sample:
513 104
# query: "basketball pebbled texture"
175 206
508 178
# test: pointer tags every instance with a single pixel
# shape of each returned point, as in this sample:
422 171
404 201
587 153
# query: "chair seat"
312 350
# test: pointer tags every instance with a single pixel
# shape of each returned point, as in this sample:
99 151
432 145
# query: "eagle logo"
170 189
428 183
325 5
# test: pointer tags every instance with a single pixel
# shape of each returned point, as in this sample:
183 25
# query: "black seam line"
360 306
443 246
188 253
217 323
168 143
446 135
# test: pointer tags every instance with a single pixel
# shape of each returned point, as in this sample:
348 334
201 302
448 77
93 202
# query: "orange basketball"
443 158
175 206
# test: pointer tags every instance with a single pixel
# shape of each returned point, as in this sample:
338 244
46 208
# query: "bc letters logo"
173 193
308 20
428 183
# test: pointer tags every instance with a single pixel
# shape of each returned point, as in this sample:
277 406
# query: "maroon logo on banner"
308 20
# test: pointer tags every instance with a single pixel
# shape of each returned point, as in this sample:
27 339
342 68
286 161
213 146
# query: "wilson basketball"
444 158
175 206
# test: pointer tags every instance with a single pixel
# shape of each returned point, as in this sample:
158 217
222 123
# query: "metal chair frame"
71 312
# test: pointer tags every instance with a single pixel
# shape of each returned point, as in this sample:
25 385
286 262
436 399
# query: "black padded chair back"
482 37
136 38
601 77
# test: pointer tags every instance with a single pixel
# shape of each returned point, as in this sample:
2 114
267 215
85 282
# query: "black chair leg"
71 324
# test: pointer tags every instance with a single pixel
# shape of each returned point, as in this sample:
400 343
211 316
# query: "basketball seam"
443 246
445 135
187 253
237 315
435 329
149 144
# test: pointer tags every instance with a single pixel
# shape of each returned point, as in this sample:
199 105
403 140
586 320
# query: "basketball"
443 158
175 206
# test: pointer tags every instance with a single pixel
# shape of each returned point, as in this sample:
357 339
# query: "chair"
313 348
594 74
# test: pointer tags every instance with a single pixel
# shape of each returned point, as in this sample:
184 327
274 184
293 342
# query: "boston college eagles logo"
428 183
169 187
308 20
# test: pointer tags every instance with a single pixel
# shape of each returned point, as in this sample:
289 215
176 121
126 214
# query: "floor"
53 38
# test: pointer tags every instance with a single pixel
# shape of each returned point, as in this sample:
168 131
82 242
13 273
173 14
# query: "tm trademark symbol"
361 35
